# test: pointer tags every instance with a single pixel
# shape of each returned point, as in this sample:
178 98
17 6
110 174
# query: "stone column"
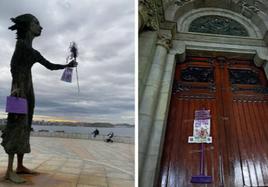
147 47
153 155
149 100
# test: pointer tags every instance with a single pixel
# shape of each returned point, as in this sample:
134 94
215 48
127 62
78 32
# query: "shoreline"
79 125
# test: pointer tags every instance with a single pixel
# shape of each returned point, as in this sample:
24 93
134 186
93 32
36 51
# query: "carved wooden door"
235 93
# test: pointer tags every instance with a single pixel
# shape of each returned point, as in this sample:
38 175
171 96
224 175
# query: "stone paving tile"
90 165
93 180
44 180
120 183
47 167
71 178
75 163
119 175
70 170
94 171
54 162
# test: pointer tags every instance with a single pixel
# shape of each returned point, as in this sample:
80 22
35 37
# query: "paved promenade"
69 162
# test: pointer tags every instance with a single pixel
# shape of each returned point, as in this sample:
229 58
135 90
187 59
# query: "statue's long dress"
16 135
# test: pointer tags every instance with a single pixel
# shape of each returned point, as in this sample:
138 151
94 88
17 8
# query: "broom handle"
202 160
77 79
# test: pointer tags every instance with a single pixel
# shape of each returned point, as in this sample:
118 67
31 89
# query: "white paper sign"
201 128
194 139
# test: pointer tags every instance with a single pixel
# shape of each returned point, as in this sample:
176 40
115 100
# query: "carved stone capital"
265 67
261 56
249 7
179 47
143 16
148 15
164 40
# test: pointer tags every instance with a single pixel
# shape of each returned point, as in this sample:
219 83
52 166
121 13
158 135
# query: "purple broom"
67 74
202 178
74 54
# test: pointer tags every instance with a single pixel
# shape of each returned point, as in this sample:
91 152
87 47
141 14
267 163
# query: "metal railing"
119 139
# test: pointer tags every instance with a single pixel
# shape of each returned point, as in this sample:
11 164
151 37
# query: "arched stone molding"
183 23
176 8
173 12
260 53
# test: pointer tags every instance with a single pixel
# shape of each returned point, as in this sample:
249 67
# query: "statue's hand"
72 64
17 93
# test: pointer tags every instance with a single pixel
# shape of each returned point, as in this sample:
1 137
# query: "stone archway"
183 22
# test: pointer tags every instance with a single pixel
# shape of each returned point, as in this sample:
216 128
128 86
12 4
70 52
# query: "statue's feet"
24 170
13 177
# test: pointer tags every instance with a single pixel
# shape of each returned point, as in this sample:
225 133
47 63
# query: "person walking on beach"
95 133
16 135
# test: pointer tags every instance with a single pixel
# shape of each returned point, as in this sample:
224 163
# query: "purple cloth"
16 105
67 75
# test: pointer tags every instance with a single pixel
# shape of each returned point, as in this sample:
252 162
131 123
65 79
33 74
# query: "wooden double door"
235 93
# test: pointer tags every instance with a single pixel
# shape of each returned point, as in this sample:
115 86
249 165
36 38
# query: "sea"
118 131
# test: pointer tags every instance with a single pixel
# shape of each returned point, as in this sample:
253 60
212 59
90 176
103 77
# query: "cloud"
104 33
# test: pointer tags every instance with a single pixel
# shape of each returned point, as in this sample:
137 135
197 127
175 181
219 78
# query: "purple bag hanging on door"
16 105
67 75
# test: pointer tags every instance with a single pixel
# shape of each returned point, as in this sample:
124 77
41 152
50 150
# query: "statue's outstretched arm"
52 66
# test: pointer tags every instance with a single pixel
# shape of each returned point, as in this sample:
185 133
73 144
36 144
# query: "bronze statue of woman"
16 135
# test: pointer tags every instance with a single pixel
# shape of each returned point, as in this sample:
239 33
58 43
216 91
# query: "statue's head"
26 23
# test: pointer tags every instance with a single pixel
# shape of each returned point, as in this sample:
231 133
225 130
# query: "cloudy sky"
104 33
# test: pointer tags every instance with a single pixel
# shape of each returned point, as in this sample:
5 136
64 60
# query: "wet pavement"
69 162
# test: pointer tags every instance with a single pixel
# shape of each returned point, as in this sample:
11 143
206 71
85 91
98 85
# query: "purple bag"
67 75
16 105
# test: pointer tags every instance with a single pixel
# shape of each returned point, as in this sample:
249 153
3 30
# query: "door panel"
182 160
235 92
251 139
